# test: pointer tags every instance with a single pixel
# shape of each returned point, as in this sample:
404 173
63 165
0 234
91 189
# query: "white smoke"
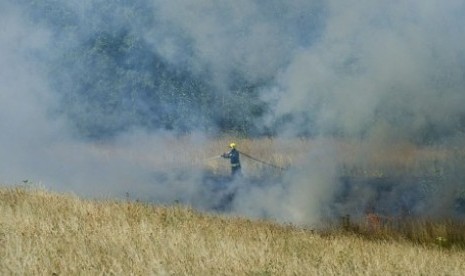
377 71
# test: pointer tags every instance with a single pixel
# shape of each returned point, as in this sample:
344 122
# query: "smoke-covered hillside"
304 67
120 64
137 73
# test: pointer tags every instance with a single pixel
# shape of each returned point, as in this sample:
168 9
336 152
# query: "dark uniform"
233 156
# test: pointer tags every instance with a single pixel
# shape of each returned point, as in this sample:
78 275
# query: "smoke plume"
93 92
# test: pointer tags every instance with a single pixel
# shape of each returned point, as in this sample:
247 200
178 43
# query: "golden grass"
356 158
43 233
445 233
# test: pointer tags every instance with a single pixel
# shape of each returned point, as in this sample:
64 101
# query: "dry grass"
43 233
445 233
356 158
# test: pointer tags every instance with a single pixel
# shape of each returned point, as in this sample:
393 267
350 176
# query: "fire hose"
254 159
261 161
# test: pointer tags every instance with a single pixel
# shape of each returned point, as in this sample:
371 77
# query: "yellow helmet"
232 145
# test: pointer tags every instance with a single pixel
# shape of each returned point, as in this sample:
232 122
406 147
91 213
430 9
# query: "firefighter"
233 156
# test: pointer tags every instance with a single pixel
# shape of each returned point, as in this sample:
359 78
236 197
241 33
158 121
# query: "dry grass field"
43 233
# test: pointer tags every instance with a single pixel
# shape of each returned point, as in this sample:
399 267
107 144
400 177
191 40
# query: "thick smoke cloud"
25 97
252 38
388 63
94 91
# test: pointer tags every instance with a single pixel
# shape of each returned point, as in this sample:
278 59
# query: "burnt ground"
393 196
387 195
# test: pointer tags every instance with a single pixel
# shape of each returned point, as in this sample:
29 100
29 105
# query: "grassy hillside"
46 233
